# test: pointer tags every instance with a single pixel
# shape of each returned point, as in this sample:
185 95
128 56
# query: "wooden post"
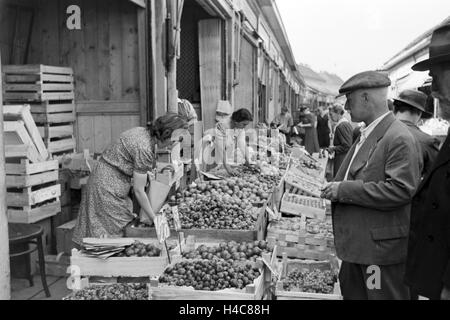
5 284
172 92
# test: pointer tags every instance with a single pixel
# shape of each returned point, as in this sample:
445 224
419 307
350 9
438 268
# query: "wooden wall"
104 55
245 93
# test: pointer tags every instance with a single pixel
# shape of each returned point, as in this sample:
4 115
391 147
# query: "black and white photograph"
225 155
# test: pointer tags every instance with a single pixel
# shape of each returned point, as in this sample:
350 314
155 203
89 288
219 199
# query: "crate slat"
28 216
28 198
31 180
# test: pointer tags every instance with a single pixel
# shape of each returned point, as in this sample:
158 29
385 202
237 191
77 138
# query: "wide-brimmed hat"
413 98
439 49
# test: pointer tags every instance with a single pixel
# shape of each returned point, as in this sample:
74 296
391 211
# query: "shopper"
309 125
323 127
428 266
284 122
106 207
343 137
409 108
372 194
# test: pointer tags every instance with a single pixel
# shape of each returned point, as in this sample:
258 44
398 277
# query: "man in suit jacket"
409 108
372 194
428 264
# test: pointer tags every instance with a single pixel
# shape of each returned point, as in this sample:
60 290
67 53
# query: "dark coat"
343 140
428 265
429 147
371 216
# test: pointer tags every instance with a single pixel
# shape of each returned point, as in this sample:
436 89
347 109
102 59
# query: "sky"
346 37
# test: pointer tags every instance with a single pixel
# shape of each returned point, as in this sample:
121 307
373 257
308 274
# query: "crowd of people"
390 197
390 183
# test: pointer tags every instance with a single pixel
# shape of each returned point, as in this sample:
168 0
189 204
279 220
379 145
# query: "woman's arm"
139 183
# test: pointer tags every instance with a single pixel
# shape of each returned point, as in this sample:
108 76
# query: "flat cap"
365 80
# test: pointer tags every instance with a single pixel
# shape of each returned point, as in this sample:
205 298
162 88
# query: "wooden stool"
29 234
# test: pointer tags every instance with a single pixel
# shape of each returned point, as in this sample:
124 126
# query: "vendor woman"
231 140
106 207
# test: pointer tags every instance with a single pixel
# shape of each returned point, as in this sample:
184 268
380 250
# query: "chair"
20 234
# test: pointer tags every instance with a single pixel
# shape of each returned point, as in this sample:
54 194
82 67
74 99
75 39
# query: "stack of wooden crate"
33 190
50 93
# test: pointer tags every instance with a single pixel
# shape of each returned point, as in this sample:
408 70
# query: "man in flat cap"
372 194
409 108
428 264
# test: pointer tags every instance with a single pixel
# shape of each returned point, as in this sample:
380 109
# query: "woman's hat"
439 49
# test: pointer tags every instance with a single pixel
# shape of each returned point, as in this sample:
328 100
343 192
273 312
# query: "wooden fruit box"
132 267
289 265
309 207
23 113
299 243
210 235
37 83
309 189
255 291
32 191
18 142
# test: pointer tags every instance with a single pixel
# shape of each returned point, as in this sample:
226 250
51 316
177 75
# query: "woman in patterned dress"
106 207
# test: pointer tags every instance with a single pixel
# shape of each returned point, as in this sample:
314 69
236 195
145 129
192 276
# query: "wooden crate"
32 191
299 244
255 291
33 215
132 267
64 235
35 83
309 207
23 113
211 235
289 265
18 142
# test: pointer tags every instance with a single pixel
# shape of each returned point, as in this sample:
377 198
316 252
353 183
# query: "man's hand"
445 295
330 191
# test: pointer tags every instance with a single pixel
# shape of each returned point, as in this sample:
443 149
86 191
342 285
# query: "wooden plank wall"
210 52
104 56
245 95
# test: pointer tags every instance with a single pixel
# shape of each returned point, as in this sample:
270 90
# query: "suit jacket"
428 264
429 147
371 216
343 140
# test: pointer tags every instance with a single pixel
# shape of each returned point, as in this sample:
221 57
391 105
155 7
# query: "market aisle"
21 290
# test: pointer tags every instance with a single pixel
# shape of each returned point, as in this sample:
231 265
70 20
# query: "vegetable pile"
112 292
317 227
231 251
316 281
210 275
139 249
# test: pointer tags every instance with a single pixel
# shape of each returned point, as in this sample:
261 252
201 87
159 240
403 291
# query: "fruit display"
315 281
231 251
112 292
287 224
308 188
318 227
139 249
216 212
210 275
306 201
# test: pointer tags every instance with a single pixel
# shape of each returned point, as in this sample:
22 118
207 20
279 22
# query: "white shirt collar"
365 132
